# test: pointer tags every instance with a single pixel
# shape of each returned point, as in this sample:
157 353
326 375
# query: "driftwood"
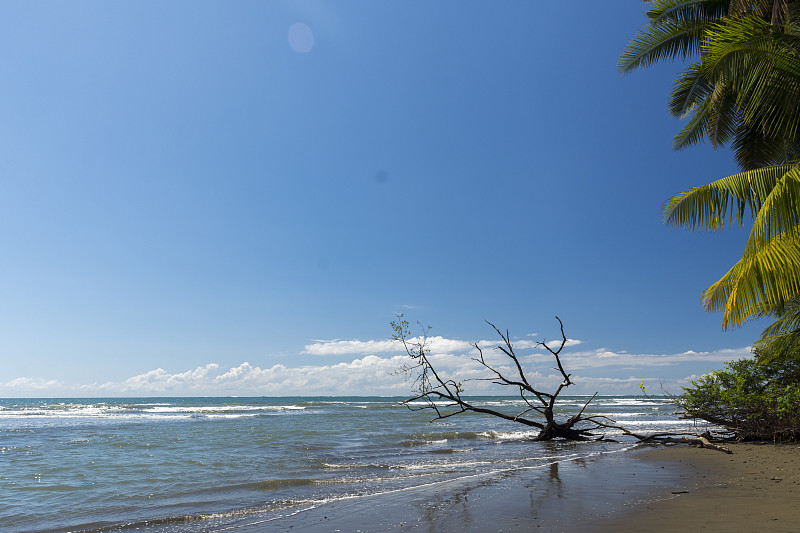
700 441
444 397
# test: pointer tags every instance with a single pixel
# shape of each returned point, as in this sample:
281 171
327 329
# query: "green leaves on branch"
754 400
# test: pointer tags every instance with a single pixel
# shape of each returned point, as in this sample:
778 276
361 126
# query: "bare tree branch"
433 388
443 396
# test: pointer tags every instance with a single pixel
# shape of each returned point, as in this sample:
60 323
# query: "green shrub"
751 399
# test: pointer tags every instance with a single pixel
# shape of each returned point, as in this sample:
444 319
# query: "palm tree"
744 89
759 67
706 98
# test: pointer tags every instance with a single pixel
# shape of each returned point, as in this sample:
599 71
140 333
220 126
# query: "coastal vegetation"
755 401
743 89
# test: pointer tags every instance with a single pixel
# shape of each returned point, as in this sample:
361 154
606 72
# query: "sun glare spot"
301 38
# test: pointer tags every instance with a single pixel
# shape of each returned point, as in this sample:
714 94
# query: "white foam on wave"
500 403
221 408
420 403
62 410
234 415
630 402
662 423
508 435
425 466
630 414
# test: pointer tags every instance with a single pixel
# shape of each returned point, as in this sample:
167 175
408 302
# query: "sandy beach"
757 488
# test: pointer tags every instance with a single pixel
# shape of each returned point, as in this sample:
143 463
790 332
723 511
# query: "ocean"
226 464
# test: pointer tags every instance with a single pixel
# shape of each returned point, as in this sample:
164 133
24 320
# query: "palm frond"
792 25
696 127
781 339
685 10
691 89
667 40
744 7
725 119
762 280
728 199
780 211
763 67
753 149
771 348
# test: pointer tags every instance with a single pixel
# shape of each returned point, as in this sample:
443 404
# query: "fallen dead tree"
443 396
701 441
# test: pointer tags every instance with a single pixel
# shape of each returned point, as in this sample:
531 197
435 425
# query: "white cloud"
603 357
369 375
437 344
337 347
375 365
35 384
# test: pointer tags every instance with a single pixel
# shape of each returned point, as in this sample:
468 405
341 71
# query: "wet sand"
559 496
656 489
757 488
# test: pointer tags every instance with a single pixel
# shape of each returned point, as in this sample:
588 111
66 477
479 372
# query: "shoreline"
654 489
754 488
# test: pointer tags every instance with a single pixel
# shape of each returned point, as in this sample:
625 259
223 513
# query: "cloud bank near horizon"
368 373
435 345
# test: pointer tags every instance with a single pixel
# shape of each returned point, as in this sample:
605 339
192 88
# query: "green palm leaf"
667 40
694 96
759 281
763 67
709 206
753 149
779 213
781 339
679 10
744 89
695 129
691 89
745 85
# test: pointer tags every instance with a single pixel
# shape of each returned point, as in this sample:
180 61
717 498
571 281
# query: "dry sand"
757 488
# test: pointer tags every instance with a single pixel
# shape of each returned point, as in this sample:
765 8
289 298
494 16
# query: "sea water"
211 464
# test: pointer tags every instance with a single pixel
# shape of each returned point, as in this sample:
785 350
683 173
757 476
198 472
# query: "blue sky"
207 197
